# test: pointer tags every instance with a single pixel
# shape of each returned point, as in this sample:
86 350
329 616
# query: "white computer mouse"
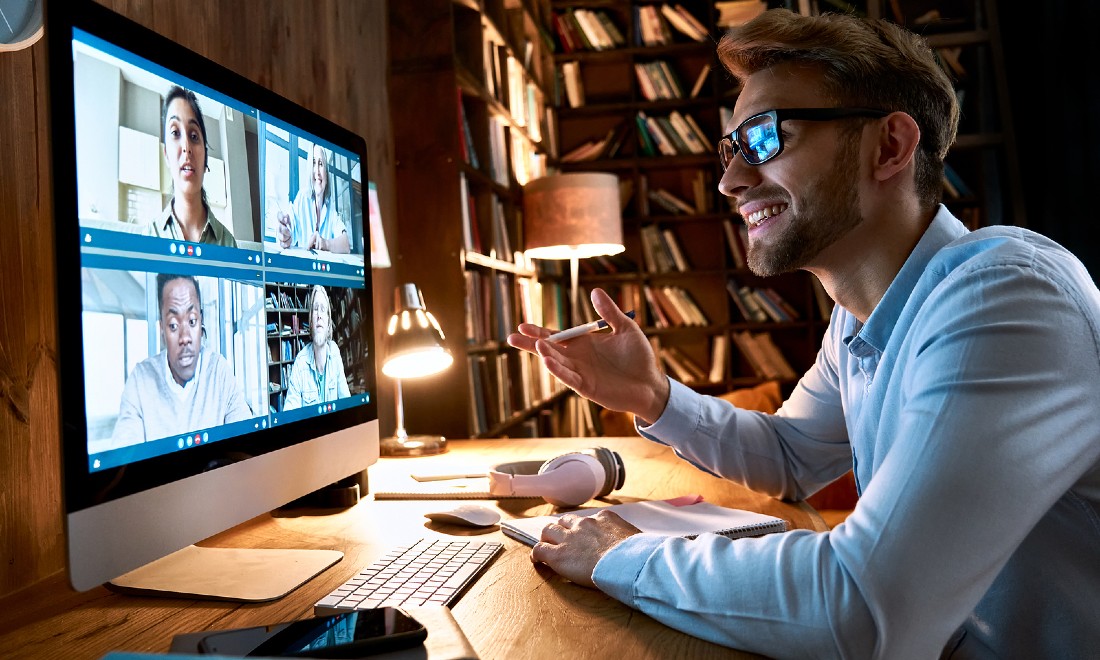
471 515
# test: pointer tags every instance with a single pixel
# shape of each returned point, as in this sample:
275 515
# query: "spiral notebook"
663 517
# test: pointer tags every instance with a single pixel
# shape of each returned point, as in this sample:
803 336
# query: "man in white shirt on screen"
185 387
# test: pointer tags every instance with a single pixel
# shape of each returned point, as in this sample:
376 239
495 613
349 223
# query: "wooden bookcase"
471 83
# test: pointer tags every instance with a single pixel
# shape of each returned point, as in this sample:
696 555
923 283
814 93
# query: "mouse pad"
445 641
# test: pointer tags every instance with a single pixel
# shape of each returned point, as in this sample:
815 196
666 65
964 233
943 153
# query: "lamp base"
413 445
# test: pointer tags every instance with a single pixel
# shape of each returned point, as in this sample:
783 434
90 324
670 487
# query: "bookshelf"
471 85
651 112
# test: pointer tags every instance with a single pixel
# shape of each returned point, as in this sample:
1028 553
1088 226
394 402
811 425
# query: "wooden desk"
515 610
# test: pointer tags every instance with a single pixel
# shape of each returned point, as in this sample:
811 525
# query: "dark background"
1051 58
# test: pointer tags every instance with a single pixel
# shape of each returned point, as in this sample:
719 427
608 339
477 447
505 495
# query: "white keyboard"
428 572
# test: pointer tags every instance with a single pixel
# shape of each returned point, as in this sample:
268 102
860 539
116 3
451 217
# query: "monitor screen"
213 296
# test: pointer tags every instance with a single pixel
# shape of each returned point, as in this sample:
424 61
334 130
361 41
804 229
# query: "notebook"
663 517
409 488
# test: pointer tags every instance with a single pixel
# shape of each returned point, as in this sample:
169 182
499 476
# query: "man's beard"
831 210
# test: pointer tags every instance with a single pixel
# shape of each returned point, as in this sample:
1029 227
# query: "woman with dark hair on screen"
188 216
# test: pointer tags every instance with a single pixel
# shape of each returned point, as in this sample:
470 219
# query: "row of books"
474 207
668 202
732 13
579 29
657 80
763 355
758 349
671 135
661 250
737 241
285 350
294 327
490 306
761 304
672 306
495 305
655 25
502 384
284 299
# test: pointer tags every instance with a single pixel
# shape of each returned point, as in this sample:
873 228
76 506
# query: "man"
185 387
958 377
318 372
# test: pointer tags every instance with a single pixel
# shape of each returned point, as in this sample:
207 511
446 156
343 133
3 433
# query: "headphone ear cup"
614 470
572 479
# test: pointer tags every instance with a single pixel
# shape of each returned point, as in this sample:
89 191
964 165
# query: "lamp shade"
572 216
415 342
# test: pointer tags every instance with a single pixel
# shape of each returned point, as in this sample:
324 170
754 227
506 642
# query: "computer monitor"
214 305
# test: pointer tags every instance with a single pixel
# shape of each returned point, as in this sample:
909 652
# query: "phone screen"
350 634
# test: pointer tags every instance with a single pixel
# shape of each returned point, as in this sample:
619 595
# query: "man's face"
805 199
319 320
181 328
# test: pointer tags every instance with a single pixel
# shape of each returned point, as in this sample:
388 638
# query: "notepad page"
660 517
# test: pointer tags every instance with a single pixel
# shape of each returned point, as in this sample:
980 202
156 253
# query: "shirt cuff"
618 570
681 415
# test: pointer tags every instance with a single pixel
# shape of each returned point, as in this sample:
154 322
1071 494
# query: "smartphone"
347 635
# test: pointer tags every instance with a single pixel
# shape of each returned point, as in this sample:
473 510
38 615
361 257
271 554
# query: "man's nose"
738 176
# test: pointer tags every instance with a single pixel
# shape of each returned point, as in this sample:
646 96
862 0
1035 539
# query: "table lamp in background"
414 348
573 216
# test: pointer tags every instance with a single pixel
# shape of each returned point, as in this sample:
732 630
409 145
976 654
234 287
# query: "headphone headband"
567 480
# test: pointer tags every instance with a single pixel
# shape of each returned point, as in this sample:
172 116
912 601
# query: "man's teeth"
763 214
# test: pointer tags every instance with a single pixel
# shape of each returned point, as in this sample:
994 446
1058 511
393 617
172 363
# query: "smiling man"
957 377
185 387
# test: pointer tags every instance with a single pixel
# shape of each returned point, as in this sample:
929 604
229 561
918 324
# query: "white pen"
579 330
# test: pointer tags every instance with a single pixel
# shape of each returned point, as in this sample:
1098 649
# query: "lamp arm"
401 434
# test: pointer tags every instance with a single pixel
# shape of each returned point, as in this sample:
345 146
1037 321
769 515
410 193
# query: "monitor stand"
235 574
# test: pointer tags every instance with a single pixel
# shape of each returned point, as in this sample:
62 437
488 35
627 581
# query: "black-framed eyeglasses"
759 138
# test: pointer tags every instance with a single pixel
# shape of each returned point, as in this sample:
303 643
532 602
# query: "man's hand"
284 230
616 370
573 545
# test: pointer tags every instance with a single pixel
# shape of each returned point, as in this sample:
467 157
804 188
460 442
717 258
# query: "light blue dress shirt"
309 385
969 406
305 220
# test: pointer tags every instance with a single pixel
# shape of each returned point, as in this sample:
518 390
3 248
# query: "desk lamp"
573 216
416 349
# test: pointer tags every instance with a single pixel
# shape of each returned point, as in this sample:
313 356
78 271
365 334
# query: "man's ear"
898 138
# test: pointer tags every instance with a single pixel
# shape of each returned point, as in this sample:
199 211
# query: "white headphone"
567 480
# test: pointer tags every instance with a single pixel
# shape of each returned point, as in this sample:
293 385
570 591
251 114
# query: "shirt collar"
943 229
172 226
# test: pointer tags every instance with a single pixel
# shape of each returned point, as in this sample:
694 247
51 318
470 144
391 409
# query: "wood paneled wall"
326 55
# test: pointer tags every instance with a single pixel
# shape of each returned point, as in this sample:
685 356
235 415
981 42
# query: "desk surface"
514 610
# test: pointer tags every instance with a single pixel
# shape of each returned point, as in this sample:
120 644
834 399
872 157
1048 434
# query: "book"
698 86
663 517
